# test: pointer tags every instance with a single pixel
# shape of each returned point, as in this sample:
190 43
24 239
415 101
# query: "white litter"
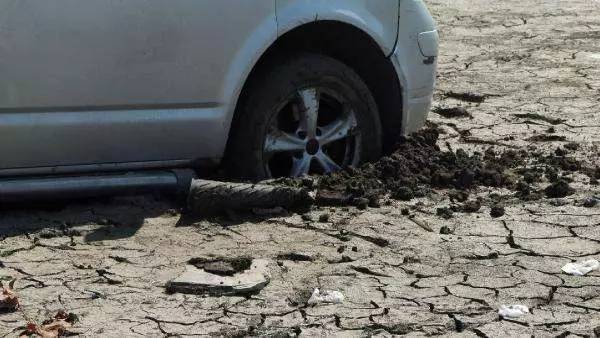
581 268
331 297
513 311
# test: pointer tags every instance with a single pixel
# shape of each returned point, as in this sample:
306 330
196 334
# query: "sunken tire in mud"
309 115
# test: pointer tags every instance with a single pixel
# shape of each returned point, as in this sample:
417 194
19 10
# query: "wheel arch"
348 44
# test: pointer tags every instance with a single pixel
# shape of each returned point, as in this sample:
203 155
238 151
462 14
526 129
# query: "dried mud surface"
431 260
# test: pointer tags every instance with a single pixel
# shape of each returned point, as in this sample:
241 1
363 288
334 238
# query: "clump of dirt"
547 138
539 117
417 165
559 189
468 97
471 206
497 211
454 112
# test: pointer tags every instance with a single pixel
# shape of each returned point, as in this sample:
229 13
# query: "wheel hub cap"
313 132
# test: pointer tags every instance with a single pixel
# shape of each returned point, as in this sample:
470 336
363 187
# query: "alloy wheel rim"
315 131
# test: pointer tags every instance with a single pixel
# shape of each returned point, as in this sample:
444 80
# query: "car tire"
299 87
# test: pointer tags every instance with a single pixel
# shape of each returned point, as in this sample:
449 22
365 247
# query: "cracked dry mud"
108 261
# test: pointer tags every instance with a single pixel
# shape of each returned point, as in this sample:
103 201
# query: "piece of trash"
54 328
198 280
581 268
513 311
211 197
326 297
8 298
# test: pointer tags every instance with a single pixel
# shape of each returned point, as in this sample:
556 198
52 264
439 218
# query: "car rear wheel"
310 115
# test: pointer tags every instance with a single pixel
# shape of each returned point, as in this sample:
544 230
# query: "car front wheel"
310 115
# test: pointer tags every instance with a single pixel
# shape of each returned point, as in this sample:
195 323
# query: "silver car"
264 88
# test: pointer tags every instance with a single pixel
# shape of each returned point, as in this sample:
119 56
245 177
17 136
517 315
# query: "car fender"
377 18
373 17
263 36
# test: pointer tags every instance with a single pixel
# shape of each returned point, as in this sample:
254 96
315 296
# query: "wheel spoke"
280 141
326 162
309 112
301 166
337 130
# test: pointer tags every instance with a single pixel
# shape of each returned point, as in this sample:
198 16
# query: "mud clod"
497 211
559 189
444 213
361 203
547 138
403 194
467 97
445 230
538 117
471 206
296 257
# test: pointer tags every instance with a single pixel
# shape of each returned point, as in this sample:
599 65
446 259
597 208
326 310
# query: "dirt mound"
417 165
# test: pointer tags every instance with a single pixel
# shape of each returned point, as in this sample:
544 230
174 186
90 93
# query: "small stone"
590 202
497 211
405 212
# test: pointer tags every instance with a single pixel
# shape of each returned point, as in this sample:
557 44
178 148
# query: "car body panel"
416 71
136 84
123 81
378 18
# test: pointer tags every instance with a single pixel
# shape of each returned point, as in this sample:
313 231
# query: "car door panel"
120 80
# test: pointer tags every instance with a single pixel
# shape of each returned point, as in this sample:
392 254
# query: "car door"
118 81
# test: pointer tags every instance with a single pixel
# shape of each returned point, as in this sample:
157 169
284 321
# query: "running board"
71 187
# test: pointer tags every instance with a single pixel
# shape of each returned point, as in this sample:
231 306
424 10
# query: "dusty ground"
108 262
